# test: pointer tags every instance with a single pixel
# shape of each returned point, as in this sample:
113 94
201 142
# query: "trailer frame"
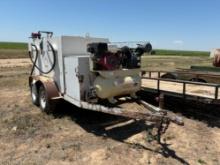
184 94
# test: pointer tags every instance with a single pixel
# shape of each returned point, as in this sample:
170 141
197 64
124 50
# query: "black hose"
33 61
36 57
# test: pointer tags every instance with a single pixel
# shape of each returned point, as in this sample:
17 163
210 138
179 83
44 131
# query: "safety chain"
162 126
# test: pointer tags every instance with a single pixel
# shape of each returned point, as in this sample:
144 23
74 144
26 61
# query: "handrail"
184 81
216 86
186 72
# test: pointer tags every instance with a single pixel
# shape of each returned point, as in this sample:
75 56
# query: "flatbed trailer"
204 92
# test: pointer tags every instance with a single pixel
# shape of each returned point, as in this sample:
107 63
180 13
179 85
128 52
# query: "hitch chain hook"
162 127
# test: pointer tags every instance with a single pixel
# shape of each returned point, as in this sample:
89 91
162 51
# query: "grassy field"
169 63
13 45
10 50
181 53
19 50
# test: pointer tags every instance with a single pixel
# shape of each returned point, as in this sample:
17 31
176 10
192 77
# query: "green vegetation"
13 50
13 45
200 161
19 50
163 52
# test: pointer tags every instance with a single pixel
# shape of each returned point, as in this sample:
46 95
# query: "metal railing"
183 82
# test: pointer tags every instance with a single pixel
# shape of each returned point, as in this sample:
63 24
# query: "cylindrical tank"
216 60
116 83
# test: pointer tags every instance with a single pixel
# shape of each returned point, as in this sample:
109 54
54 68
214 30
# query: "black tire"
198 80
34 95
45 103
169 76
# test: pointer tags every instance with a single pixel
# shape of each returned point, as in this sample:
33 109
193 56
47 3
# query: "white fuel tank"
116 83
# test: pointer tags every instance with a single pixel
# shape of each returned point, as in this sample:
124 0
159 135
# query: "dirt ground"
20 62
74 136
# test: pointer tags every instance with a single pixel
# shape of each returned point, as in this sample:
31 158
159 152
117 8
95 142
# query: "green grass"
10 50
163 52
200 161
19 50
13 45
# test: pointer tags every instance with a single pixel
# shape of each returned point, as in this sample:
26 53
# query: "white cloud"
178 42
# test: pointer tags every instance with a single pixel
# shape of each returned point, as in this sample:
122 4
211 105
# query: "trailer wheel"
198 80
46 104
34 95
169 76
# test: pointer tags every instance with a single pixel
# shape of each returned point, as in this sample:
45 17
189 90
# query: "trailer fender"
49 85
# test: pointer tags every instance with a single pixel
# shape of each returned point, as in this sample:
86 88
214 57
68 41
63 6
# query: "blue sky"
170 24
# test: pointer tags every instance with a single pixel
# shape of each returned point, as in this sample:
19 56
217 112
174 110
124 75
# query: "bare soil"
75 136
13 53
10 63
